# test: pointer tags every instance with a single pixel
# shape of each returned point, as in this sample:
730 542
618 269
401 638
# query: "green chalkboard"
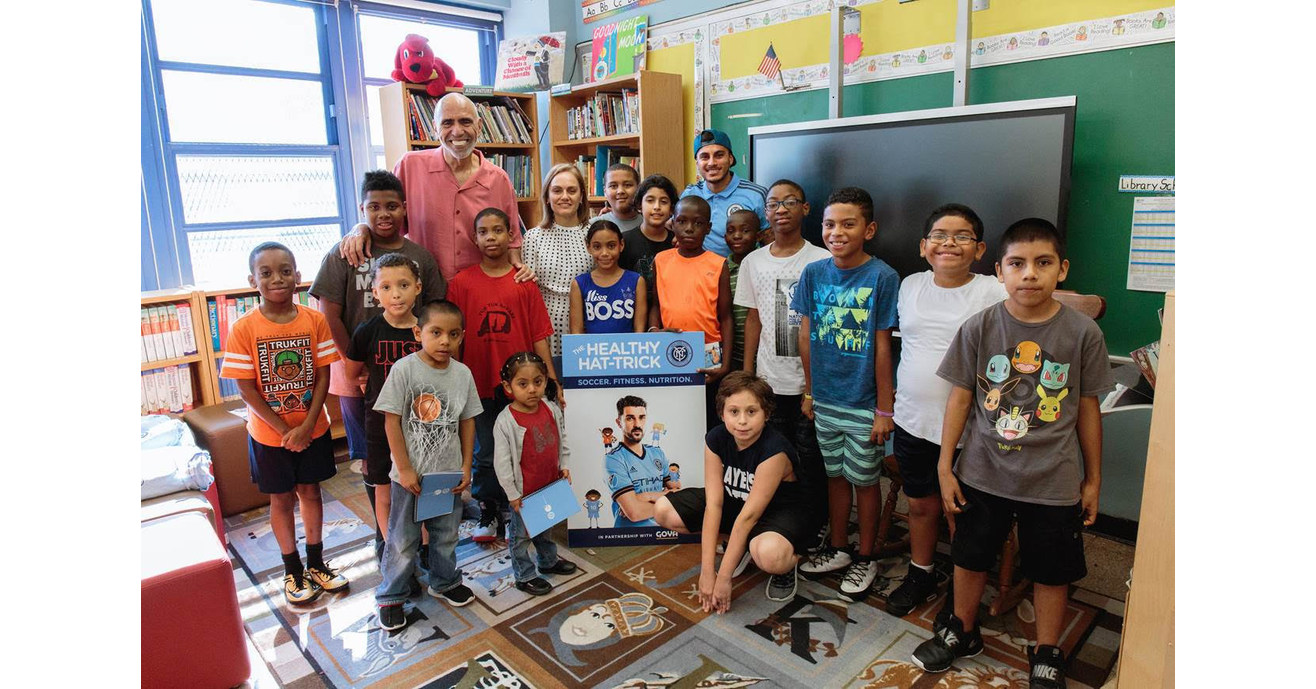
1125 125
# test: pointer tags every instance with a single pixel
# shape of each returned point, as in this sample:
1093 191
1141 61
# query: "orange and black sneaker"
326 578
299 589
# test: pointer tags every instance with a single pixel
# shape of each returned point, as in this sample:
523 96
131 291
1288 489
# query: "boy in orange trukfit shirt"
280 355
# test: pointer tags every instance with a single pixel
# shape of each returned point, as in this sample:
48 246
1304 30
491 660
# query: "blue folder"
436 497
547 506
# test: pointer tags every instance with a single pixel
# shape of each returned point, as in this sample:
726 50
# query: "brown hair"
742 381
582 209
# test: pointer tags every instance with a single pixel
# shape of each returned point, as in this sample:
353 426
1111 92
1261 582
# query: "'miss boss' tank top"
609 309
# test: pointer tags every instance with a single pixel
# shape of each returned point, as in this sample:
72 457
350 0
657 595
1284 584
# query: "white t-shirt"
929 318
767 283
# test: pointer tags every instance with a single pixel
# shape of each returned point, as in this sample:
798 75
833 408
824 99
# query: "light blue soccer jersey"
631 473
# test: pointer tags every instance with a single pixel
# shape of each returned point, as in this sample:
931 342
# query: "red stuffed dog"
415 62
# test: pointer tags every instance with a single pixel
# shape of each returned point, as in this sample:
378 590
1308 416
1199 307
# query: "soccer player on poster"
636 472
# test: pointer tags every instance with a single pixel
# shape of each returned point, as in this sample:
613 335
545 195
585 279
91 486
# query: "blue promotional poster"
635 424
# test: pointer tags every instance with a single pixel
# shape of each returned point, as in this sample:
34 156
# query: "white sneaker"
485 533
858 577
740 566
828 559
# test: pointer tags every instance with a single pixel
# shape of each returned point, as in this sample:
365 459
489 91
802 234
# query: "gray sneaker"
781 587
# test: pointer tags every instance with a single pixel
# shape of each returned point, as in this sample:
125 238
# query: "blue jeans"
400 554
484 482
519 540
354 422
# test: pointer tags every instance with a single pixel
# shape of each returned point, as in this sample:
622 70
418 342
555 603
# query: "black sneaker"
781 587
538 586
947 643
918 587
414 588
456 597
562 566
392 617
1046 667
947 608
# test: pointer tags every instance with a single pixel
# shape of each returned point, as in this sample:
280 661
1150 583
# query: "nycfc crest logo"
678 353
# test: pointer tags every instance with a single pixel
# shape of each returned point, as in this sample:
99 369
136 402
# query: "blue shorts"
844 441
278 470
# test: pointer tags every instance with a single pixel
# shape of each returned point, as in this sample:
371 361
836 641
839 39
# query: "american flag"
770 67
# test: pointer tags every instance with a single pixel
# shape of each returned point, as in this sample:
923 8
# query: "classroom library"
657 343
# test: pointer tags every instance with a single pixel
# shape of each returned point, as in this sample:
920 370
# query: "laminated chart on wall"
1151 247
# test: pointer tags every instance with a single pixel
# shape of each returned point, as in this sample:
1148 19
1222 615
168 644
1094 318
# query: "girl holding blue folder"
530 452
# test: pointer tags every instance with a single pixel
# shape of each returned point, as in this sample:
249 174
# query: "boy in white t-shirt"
932 305
765 286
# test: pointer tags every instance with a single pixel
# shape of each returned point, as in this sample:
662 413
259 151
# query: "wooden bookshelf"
660 140
199 373
394 111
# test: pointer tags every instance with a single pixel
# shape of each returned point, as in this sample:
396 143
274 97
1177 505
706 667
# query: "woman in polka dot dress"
556 249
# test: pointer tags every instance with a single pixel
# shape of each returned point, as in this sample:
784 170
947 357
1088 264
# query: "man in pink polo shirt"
445 189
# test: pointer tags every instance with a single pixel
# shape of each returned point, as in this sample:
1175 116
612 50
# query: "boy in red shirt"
503 317
280 355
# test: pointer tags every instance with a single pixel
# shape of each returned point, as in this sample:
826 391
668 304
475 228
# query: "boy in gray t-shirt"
1026 374
429 404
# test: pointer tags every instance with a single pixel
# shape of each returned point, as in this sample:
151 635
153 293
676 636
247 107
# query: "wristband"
884 414
809 397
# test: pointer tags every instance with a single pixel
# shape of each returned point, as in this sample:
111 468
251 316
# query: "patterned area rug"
629 617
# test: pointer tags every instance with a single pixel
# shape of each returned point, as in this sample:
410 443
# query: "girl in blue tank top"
607 299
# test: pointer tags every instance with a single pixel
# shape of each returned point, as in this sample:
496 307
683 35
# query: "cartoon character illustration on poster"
1027 357
1014 425
609 440
1082 34
659 430
947 54
998 368
1118 29
922 56
673 480
1014 43
1054 376
993 399
981 49
1159 22
1043 40
593 503
895 61
594 624
1048 409
636 471
540 54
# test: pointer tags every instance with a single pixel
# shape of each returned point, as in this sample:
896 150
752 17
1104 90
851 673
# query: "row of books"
225 311
502 121
167 332
521 170
167 389
606 114
606 157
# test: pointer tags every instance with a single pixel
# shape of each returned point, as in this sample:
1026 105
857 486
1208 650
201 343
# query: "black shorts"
278 470
379 460
788 514
1050 536
917 459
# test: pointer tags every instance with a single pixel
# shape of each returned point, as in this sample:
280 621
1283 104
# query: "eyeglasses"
789 204
961 239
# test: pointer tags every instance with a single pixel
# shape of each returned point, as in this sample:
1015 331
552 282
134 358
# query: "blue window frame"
265 141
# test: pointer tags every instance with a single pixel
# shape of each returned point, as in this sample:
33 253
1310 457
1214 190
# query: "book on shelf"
502 121
519 169
167 390
604 158
605 114
167 332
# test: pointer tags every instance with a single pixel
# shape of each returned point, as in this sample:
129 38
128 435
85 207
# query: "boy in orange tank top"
694 293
